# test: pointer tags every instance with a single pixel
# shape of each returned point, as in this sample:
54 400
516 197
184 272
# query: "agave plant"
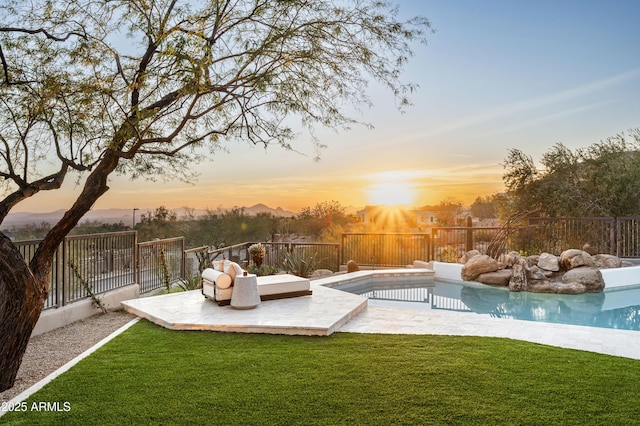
190 283
296 263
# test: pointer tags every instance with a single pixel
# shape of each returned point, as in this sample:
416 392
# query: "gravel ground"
50 351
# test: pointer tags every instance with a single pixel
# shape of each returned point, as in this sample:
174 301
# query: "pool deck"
329 310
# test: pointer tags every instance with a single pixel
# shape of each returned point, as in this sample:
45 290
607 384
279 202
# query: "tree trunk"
22 298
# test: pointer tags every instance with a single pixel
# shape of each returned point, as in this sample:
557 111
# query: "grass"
151 375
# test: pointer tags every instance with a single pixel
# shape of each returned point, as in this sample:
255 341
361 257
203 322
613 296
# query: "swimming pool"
619 309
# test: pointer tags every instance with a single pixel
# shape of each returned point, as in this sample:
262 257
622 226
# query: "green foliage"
262 270
485 207
29 232
162 223
449 254
297 263
190 283
602 179
346 378
312 221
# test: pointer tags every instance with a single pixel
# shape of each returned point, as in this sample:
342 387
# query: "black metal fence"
617 236
28 249
554 235
628 236
326 255
160 263
386 249
103 262
97 262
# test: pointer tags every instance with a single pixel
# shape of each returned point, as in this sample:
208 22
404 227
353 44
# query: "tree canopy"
602 179
147 87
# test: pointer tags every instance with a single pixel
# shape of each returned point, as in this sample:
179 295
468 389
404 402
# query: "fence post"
183 261
136 261
469 233
612 235
61 276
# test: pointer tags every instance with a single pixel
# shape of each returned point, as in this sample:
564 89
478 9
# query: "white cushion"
232 269
283 283
220 279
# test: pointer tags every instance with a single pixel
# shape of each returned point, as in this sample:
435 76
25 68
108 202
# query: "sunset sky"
496 74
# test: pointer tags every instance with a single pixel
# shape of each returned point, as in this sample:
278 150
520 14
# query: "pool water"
618 309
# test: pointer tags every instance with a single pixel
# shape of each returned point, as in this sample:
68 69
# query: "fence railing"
554 235
101 261
326 255
450 243
160 263
386 250
108 261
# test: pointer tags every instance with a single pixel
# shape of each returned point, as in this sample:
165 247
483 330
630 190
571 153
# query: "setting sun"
391 189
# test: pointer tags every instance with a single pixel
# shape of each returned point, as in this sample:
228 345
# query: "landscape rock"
320 273
520 278
512 258
549 262
532 260
586 276
537 273
557 287
498 278
477 265
607 261
468 255
573 272
352 266
575 258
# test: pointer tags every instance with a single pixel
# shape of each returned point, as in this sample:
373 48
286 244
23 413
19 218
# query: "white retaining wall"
59 317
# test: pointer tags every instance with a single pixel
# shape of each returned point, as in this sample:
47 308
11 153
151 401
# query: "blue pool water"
618 309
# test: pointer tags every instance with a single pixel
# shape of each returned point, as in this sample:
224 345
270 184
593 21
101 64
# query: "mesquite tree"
145 87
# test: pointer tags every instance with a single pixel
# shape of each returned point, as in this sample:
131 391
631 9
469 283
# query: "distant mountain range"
125 215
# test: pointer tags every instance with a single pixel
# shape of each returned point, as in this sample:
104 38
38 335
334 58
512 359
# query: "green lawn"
151 375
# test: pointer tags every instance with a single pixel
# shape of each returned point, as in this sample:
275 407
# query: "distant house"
422 218
426 218
369 214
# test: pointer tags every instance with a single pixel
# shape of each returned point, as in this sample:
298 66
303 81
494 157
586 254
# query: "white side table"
245 292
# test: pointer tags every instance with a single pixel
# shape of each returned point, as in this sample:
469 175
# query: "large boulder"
499 278
532 260
468 255
588 277
512 258
549 262
574 258
557 287
607 261
520 278
477 265
352 266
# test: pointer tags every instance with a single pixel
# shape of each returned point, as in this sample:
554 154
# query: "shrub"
297 264
262 270
257 252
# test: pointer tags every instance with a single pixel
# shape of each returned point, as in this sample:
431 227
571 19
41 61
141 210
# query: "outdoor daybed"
217 284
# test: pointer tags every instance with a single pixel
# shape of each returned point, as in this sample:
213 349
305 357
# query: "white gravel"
50 351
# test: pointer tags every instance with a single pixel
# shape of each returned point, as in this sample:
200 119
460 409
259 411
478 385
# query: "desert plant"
257 253
449 254
262 270
164 269
190 283
296 263
95 300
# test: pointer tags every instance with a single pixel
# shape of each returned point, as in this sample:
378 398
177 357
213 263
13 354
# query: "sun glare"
391 189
